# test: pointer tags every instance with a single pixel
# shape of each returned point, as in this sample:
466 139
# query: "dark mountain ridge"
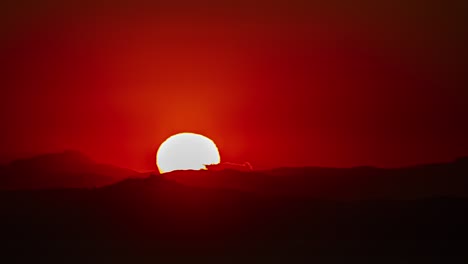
69 169
282 216
444 179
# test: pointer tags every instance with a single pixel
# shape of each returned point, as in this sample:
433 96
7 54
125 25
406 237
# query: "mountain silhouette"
321 215
444 179
69 169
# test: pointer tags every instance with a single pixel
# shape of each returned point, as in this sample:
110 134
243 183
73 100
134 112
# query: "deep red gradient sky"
333 83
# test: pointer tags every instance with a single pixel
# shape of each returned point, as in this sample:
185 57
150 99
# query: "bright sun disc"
186 151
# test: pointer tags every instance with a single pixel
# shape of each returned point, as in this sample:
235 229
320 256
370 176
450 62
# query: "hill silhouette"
424 181
285 215
69 169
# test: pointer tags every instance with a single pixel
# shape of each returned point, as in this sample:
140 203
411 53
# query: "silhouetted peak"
230 166
60 170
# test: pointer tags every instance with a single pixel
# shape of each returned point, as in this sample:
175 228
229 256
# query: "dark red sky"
293 83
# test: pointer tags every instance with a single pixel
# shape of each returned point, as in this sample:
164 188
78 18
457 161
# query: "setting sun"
186 151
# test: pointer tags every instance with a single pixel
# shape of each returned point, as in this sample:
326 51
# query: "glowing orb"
186 151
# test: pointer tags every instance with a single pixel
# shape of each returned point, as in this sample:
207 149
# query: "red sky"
277 84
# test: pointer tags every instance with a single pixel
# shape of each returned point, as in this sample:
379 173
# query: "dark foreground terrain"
360 215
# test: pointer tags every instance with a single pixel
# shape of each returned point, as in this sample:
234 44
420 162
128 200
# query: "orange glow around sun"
186 151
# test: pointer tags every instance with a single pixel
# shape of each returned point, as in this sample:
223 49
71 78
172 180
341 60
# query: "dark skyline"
287 83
